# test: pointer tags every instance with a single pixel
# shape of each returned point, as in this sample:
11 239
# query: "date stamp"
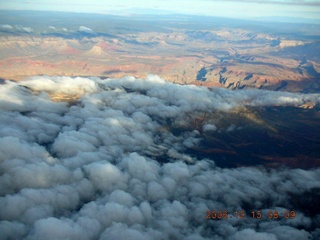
255 214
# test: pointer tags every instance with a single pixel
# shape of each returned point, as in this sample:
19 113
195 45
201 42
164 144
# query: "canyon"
180 50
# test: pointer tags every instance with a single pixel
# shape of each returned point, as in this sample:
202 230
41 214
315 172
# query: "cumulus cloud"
209 127
24 29
6 26
107 166
251 234
86 30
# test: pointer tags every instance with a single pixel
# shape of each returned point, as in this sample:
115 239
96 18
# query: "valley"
183 50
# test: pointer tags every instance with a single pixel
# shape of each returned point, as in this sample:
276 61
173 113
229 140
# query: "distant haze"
234 9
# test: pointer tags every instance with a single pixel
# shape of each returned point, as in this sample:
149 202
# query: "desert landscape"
158 126
180 49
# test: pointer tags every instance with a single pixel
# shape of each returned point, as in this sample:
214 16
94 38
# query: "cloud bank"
93 168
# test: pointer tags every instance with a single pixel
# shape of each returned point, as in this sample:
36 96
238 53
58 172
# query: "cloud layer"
93 168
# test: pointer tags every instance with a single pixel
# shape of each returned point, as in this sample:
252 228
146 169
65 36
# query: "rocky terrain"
86 153
234 57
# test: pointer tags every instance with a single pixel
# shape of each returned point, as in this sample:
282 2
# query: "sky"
226 8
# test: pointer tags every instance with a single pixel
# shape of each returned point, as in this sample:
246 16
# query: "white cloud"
209 127
86 30
24 29
107 167
251 234
6 26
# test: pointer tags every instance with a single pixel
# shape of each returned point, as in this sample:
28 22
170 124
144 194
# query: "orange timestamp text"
256 214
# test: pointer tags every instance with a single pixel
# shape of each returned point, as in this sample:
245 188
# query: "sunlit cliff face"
85 158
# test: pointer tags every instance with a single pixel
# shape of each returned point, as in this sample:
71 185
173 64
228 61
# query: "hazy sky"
226 8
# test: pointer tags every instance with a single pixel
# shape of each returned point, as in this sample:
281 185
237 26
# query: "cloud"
231 128
209 127
107 166
251 234
24 29
86 30
6 26
52 27
27 29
